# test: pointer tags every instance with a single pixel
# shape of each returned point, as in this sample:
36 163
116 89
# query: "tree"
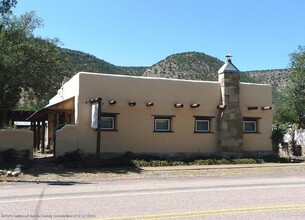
292 109
293 100
6 5
27 63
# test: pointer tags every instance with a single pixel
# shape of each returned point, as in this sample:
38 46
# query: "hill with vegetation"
278 78
188 65
82 62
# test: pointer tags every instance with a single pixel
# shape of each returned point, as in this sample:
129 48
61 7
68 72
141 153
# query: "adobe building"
149 115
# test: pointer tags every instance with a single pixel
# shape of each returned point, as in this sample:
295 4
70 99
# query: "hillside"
278 78
80 61
188 65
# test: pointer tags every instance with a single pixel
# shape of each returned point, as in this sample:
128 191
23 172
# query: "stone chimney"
230 120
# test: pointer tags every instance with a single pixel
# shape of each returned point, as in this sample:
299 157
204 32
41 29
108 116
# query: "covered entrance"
44 124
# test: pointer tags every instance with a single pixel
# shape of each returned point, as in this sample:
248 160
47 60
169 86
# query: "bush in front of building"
277 138
79 159
221 161
73 158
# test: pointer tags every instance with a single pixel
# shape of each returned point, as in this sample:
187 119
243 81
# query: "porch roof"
63 106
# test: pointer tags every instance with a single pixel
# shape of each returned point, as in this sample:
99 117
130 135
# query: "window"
163 123
250 125
108 121
202 124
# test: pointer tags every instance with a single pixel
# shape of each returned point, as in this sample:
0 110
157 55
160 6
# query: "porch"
44 124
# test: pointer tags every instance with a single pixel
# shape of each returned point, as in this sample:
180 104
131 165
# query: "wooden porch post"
42 137
38 136
33 127
55 118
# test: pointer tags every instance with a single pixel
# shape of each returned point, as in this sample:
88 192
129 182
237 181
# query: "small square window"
107 123
162 124
202 125
250 126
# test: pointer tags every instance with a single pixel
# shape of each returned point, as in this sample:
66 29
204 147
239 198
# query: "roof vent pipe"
228 56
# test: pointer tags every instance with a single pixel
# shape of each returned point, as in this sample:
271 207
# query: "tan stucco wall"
66 139
16 139
136 124
260 96
68 90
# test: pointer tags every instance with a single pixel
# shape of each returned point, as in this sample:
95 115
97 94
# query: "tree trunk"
3 118
293 142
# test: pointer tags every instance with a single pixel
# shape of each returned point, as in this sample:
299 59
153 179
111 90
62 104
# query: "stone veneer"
230 120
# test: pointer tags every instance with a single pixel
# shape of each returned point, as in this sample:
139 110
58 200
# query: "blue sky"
260 34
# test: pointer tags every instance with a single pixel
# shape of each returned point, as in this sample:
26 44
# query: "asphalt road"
273 195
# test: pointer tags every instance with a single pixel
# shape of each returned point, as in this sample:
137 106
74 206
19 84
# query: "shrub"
220 161
74 158
277 137
223 161
244 161
260 161
141 163
178 163
157 163
202 162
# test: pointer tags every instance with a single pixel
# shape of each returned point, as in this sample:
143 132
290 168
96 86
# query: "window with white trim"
109 121
202 124
163 123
